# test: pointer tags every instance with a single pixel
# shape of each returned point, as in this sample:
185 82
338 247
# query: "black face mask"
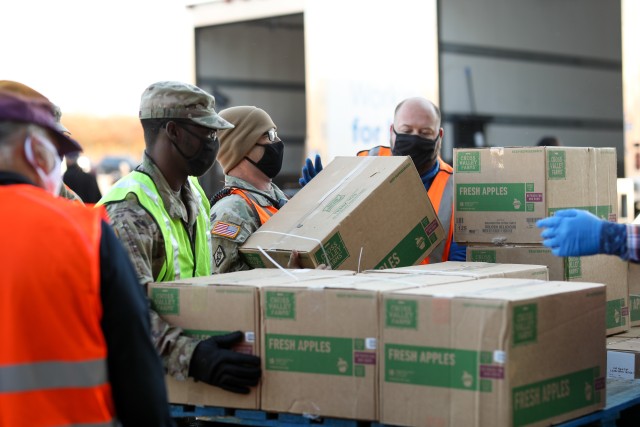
271 161
421 150
204 158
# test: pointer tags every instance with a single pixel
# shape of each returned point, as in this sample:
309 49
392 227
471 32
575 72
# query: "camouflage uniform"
234 210
140 234
69 194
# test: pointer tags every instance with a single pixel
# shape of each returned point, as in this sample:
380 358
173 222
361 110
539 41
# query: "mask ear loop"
44 176
28 151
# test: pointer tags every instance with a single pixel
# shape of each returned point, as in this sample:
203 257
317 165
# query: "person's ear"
43 156
171 130
391 140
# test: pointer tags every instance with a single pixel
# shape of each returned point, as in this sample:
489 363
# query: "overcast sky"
95 57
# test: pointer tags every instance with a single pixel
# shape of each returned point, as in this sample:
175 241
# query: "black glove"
213 363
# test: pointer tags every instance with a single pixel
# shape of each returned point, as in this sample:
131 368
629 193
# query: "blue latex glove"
309 170
457 252
572 232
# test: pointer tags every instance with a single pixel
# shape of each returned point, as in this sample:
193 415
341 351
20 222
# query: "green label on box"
254 260
573 267
555 396
483 255
468 161
431 366
556 164
634 301
280 305
334 253
614 313
401 313
602 211
411 248
525 324
309 354
498 197
165 301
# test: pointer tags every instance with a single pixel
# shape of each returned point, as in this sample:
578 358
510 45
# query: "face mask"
421 150
52 181
203 159
271 161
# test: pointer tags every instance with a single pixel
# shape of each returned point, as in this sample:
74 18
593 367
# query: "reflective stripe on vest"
264 212
441 188
180 259
53 368
45 375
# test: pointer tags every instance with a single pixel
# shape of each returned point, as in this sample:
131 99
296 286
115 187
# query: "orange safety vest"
53 367
264 212
442 185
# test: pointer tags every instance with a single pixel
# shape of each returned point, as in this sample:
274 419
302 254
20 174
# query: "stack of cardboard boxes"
444 344
500 193
623 350
449 344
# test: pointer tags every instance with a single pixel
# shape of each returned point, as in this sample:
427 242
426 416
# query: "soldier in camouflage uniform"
250 155
161 215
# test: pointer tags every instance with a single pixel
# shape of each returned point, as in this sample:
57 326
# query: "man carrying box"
251 156
416 132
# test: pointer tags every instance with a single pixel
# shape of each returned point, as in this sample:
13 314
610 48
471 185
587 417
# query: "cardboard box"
633 332
217 304
634 292
623 358
492 352
605 269
500 193
358 213
475 270
320 344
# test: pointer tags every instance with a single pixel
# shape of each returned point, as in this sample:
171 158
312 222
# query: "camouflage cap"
177 100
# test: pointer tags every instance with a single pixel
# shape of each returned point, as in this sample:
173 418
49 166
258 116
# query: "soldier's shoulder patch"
219 256
225 229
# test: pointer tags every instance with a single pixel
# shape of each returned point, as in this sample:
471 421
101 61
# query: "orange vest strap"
379 150
438 188
264 212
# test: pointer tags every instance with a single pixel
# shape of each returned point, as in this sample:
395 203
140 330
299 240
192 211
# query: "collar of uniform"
10 178
274 192
173 202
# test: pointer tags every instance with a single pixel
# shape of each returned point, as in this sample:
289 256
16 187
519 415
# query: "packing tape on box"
273 261
290 233
326 257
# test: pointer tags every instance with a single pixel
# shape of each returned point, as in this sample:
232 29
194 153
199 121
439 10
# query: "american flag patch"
225 229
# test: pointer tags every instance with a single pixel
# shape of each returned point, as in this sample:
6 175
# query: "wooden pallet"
622 409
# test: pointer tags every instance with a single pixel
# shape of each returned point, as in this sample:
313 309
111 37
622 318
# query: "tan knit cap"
250 124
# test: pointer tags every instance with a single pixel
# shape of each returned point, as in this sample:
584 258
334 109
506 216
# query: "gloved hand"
213 363
309 170
572 232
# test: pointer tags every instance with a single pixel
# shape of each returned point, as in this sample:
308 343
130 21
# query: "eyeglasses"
211 134
272 135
